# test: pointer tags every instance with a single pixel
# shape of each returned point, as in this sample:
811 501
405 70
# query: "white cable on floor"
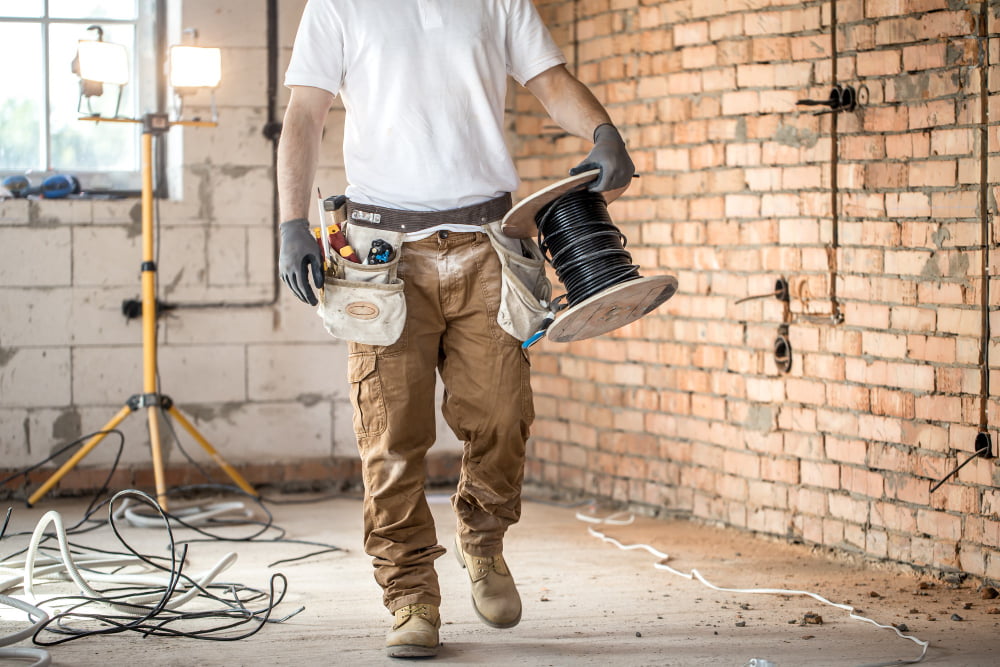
191 516
14 569
614 520
55 518
40 656
166 587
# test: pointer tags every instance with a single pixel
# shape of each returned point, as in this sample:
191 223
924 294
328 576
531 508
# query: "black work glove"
299 252
608 155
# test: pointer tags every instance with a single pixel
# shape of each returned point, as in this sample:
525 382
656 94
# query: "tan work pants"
452 296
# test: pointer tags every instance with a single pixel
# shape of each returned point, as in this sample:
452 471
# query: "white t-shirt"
423 83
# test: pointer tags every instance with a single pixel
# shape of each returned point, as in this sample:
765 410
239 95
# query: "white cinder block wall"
263 383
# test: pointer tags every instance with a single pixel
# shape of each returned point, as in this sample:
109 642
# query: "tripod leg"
153 417
228 469
78 456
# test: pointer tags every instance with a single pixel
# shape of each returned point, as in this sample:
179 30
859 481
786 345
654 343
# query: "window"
40 129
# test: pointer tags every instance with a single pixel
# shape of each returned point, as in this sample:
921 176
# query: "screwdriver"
335 234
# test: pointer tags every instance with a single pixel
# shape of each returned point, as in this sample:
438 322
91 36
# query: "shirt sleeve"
318 52
530 47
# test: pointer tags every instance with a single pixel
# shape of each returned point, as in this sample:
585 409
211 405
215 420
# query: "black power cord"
207 531
155 619
584 246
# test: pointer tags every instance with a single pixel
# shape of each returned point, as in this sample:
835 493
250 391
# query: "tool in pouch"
332 238
361 302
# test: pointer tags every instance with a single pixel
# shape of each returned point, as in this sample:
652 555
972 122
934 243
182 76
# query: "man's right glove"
299 252
611 157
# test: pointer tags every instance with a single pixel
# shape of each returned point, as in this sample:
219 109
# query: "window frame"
149 50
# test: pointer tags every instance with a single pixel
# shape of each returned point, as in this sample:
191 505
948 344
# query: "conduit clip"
841 98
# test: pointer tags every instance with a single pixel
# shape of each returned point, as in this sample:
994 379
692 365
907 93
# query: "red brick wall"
877 218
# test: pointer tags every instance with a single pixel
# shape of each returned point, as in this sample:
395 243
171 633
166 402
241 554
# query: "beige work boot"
494 595
415 632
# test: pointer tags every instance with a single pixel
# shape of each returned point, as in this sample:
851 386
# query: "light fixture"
98 63
103 61
195 67
191 68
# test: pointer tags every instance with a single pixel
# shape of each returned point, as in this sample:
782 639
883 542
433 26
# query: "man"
423 84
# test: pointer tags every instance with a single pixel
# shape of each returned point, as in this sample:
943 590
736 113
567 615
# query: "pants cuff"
413 598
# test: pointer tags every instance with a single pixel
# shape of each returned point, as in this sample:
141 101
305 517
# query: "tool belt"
364 303
391 219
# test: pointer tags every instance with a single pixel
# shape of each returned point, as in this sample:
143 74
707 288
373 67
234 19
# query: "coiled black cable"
583 245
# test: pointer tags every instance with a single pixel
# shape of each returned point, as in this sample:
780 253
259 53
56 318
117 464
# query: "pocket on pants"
366 395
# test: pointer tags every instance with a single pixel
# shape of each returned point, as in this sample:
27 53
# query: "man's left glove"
299 253
608 155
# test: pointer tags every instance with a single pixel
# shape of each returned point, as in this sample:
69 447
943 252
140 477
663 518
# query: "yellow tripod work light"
191 68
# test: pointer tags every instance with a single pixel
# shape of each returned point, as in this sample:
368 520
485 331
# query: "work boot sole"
411 651
499 626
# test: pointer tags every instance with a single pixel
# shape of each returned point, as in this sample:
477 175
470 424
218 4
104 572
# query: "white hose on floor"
72 570
616 520
14 569
40 656
191 516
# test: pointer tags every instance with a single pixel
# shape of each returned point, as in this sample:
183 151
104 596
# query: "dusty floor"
586 602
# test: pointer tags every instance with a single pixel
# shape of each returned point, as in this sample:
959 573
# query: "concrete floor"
585 601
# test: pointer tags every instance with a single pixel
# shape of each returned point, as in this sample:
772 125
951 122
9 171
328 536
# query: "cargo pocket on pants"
366 395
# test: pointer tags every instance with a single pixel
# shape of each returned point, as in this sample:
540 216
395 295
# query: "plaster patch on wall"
135 213
228 409
741 129
309 400
200 413
206 413
65 429
931 270
912 86
134 229
67 425
6 354
958 266
797 137
759 418
206 205
234 171
35 217
940 236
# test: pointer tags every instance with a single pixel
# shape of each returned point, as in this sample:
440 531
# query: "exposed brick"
878 63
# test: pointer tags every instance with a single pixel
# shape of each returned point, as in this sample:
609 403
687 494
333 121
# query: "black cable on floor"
76 443
155 619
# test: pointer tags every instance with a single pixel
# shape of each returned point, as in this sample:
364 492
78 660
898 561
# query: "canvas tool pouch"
525 290
364 303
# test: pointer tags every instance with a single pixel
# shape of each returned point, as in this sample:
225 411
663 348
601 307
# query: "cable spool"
583 245
604 290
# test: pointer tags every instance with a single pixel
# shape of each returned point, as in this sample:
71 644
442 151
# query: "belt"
379 217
